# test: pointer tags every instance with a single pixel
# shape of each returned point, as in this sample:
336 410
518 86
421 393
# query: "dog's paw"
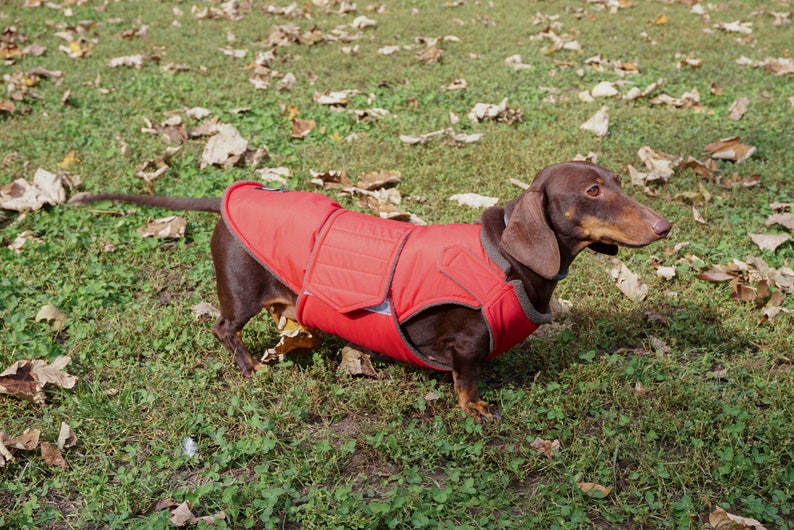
481 411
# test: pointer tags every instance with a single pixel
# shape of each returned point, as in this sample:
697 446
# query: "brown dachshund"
498 274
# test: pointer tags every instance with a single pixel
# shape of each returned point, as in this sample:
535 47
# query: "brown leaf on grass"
738 108
52 456
786 219
501 112
302 128
686 101
50 312
429 55
474 200
729 149
5 455
636 93
27 441
182 515
22 239
547 448
628 282
331 178
591 489
715 276
719 519
379 179
150 170
26 379
46 188
598 122
516 63
370 115
66 436
769 242
340 98
356 361
172 129
737 26
778 66
227 143
704 169
171 227
661 165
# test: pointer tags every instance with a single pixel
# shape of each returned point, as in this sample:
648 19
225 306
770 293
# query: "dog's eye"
593 191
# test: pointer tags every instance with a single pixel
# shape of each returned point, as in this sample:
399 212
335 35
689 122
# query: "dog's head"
574 205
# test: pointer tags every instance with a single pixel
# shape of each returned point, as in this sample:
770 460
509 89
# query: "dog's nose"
661 227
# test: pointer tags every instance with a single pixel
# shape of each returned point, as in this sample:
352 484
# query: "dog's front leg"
467 380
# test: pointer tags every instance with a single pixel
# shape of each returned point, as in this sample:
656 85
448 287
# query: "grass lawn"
677 406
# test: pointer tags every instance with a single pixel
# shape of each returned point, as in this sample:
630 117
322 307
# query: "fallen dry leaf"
52 456
172 227
379 179
604 89
182 515
715 276
66 436
205 308
5 455
278 175
474 200
729 149
516 63
46 188
661 165
501 112
27 441
737 26
719 519
22 239
738 108
636 93
171 130
591 489
225 148
785 219
704 169
628 282
598 122
302 128
26 379
547 448
687 100
769 242
356 362
50 312
329 179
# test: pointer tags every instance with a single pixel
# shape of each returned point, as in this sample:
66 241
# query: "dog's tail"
203 204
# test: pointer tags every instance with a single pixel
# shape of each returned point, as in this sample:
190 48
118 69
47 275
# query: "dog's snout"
661 227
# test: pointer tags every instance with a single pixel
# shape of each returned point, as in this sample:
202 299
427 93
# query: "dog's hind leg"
244 289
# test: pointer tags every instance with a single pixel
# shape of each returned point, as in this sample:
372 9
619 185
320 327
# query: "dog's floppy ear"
528 237
604 248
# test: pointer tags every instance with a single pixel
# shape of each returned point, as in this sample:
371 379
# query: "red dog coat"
359 277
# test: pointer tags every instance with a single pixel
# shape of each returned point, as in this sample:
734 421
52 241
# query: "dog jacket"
359 277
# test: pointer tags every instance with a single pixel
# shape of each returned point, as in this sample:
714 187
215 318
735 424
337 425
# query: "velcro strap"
468 271
353 261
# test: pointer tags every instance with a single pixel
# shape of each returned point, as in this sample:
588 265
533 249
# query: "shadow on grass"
687 331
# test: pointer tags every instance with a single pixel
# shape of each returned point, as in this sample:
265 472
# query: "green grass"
299 446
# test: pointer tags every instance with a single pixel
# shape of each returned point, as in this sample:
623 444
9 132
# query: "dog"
446 297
